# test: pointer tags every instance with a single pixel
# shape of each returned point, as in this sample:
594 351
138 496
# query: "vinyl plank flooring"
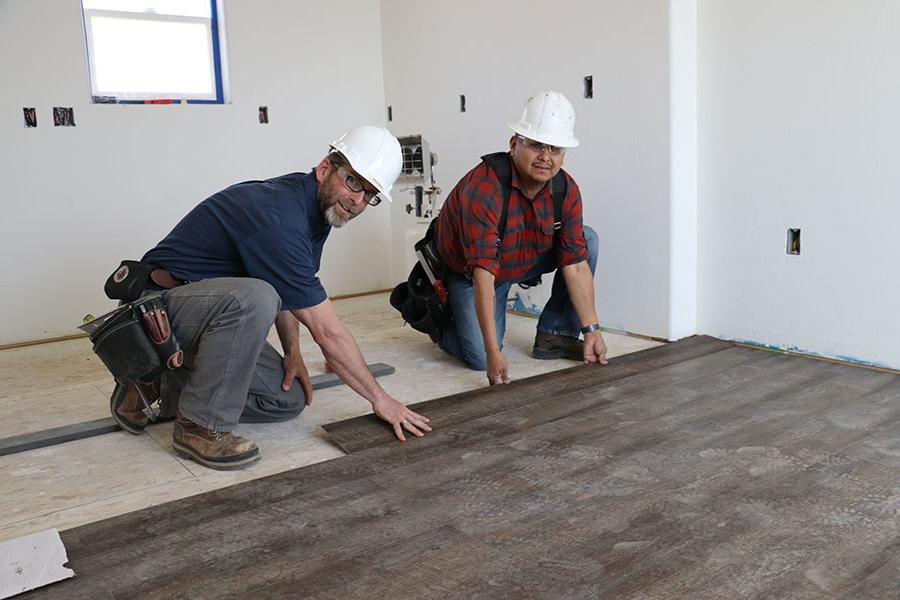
722 473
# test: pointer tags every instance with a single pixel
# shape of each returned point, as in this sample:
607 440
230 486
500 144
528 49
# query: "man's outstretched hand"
400 417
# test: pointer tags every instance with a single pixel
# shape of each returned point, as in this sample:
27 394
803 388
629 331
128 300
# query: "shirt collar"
311 198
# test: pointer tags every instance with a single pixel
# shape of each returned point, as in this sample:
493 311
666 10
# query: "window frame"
216 47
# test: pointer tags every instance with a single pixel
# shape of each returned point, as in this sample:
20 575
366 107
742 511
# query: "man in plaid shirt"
483 262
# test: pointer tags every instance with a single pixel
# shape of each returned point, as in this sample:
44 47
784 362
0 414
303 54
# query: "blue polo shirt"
271 230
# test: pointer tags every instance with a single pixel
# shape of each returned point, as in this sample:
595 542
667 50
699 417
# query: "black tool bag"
136 341
416 298
418 303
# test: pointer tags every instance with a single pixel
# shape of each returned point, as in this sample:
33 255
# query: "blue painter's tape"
519 306
754 344
798 350
866 363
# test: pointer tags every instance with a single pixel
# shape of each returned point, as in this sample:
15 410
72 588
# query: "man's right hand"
400 417
497 368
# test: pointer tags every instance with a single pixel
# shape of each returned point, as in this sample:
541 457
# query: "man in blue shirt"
249 256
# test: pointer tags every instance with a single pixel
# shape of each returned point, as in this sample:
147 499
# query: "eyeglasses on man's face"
354 184
539 147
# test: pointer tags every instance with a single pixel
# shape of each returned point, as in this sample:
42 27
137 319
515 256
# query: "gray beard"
332 219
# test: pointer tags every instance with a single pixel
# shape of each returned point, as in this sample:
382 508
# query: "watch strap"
590 328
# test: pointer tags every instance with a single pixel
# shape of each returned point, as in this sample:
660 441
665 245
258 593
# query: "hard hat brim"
381 191
569 141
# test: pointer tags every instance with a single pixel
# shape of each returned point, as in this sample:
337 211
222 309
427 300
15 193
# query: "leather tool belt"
135 341
132 278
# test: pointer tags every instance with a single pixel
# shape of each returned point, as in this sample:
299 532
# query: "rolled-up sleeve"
481 202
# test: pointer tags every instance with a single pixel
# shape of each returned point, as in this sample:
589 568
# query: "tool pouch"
128 281
136 341
417 299
419 305
427 247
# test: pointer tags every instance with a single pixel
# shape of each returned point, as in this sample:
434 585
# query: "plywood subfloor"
728 473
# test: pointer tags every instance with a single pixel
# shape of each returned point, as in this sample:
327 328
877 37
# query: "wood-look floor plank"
366 431
882 582
723 475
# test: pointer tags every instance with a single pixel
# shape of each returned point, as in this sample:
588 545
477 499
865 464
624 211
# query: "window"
153 51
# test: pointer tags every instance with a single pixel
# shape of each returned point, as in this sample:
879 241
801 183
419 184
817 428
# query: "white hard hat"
548 117
373 153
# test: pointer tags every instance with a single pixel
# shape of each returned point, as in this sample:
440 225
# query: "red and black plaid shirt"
467 227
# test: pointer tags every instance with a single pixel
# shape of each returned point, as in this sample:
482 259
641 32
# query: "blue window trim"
217 60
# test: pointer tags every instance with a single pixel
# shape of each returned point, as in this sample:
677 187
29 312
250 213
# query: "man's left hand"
294 367
594 348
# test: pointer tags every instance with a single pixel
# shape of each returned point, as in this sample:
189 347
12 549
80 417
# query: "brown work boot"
548 345
127 408
214 449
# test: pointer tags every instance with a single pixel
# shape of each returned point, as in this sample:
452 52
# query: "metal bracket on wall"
78 431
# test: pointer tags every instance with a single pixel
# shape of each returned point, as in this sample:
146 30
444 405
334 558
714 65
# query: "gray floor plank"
367 431
56 435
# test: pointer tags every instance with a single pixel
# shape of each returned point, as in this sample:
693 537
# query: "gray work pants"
230 372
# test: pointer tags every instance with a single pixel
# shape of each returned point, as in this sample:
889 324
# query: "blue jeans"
462 338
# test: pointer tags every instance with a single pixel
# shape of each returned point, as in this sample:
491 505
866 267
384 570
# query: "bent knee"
257 299
262 295
476 362
591 240
291 412
282 406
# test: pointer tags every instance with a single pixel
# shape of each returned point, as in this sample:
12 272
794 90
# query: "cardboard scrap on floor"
32 561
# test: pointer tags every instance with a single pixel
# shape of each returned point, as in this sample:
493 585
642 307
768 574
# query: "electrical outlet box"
793 241
63 116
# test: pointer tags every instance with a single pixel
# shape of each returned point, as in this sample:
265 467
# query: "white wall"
498 53
797 120
683 160
800 128
76 200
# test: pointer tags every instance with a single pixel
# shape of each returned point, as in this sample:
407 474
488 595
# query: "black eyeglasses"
355 185
539 146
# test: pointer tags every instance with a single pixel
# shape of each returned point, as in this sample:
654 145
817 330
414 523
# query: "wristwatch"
590 328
